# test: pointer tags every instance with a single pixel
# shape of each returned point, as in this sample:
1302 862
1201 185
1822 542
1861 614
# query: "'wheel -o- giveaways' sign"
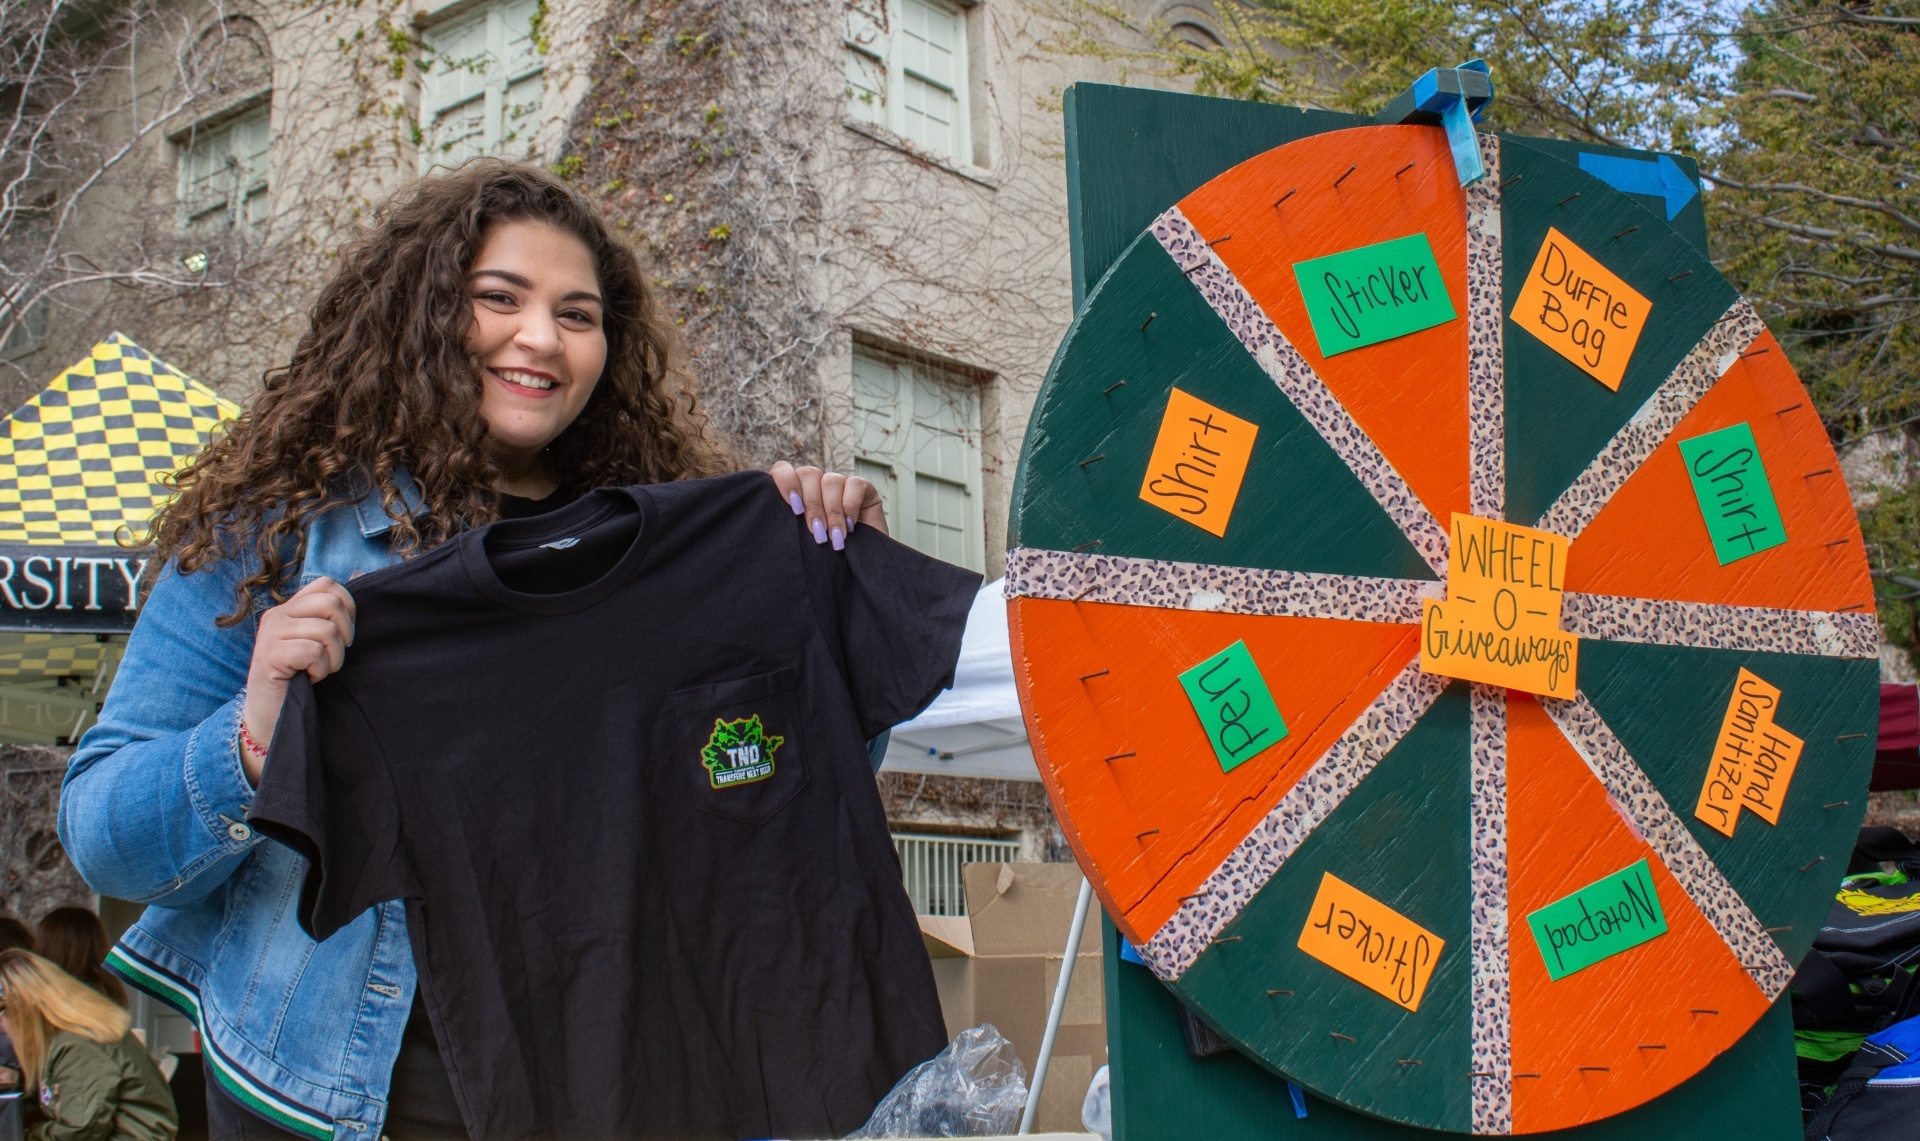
1500 622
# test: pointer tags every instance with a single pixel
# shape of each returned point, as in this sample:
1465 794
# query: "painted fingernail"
851 524
799 508
839 539
819 531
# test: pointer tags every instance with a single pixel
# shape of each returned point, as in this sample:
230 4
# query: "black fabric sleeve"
326 793
896 615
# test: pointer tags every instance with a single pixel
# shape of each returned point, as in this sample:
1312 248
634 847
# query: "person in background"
92 1077
72 939
13 935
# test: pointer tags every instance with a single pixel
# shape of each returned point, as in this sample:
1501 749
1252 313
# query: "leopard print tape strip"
1160 584
1710 626
1304 387
1492 992
1486 352
1081 577
1320 790
1705 363
1704 884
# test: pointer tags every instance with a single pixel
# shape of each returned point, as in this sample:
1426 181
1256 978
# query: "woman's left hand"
833 503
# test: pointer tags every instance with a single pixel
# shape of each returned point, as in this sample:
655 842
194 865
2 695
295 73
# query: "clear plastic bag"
1096 1111
976 1087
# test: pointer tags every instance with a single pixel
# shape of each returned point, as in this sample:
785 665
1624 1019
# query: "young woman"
93 1078
72 939
490 348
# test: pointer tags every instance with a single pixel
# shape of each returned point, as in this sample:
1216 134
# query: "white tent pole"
1059 1005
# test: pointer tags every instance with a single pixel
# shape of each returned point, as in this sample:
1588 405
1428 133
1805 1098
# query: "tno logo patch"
739 752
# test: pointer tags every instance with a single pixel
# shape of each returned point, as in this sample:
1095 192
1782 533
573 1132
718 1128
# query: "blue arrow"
1660 178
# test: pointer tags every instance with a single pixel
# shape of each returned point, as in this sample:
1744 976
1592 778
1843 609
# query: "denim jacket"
154 811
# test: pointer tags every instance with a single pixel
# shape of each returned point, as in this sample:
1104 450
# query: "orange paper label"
1753 759
1500 622
1198 462
1581 310
1370 943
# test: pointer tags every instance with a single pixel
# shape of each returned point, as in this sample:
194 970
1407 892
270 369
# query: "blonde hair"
42 1000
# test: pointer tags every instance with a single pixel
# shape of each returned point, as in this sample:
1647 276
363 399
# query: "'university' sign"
78 590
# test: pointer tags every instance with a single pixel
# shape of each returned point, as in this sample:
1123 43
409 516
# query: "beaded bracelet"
248 743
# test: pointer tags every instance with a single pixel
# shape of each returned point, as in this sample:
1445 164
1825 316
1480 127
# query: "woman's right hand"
307 634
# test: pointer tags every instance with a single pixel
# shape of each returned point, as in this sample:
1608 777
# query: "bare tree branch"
1821 233
1882 207
1852 16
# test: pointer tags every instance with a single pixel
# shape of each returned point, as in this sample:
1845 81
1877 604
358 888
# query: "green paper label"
1735 498
1602 919
1235 706
1375 293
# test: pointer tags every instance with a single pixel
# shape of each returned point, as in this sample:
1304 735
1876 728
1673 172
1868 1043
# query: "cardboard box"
1000 964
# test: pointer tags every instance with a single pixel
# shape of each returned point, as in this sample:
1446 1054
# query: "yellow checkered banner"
78 465
78 468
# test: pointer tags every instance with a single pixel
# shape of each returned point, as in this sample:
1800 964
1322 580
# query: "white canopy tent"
975 728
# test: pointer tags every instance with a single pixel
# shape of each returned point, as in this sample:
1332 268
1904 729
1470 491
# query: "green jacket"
103 1093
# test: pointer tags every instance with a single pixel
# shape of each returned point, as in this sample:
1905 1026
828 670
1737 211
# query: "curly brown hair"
383 380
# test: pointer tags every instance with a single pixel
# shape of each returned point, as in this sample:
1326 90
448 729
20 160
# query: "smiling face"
539 337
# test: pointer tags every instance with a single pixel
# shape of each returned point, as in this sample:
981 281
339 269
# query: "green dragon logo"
739 752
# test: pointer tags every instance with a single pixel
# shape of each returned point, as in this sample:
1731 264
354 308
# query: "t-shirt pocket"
737 745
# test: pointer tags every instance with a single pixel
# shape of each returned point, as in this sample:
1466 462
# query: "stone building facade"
35 876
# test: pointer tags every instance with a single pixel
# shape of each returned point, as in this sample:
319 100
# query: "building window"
907 71
1195 35
223 168
1192 25
917 437
484 84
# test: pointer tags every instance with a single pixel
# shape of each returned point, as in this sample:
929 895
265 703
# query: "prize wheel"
1444 631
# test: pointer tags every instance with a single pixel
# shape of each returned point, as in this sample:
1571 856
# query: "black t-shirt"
650 885
420 1102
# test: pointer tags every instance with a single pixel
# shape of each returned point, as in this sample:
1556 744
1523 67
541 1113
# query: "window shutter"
906 70
252 133
865 47
456 90
224 170
483 91
930 41
525 79
944 444
917 438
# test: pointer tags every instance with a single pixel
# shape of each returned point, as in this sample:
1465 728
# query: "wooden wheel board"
1456 707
